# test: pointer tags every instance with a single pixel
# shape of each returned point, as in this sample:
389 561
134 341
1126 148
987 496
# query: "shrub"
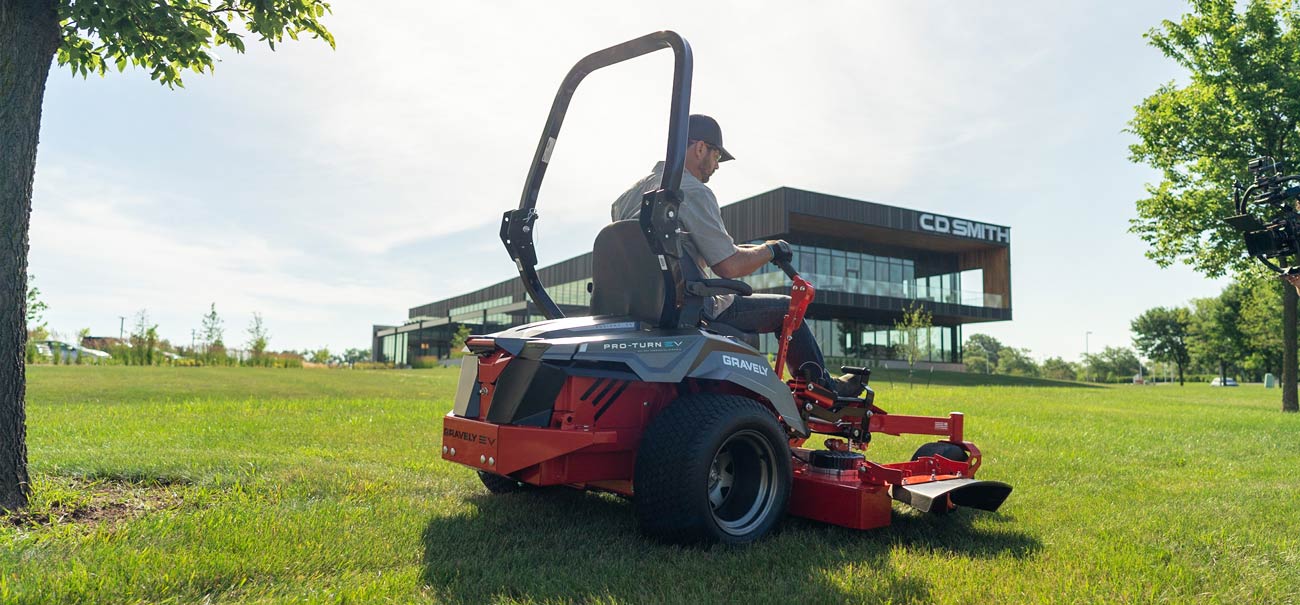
425 362
33 354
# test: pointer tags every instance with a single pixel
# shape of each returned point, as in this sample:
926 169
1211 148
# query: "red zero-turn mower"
646 399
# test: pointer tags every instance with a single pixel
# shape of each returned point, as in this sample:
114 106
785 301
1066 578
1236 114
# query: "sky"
330 190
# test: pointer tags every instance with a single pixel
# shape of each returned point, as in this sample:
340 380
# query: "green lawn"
266 486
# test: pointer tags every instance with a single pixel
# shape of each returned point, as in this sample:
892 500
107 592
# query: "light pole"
121 328
1087 370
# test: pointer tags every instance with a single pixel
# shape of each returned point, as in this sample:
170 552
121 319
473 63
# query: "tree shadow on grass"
565 546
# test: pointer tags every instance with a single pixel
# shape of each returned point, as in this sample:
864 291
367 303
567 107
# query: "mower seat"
626 278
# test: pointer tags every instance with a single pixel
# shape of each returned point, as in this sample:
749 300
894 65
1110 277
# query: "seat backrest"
625 274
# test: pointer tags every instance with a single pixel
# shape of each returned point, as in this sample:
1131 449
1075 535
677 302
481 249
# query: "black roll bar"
659 208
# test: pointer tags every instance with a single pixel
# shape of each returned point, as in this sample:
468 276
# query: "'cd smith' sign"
964 228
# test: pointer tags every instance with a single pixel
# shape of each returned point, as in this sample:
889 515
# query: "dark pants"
762 314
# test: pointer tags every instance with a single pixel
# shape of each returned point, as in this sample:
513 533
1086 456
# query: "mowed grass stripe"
326 486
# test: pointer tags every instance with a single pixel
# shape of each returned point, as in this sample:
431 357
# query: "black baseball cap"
704 128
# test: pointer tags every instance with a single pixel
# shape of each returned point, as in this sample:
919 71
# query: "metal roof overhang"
876 234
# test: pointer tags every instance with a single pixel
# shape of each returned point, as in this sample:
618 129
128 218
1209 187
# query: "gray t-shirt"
708 242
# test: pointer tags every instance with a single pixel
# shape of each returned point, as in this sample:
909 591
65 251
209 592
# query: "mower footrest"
984 495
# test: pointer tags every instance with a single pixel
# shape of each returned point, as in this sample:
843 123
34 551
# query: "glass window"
834 270
571 293
807 261
496 302
954 341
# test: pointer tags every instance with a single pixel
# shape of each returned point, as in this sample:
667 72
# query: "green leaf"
1241 102
174 36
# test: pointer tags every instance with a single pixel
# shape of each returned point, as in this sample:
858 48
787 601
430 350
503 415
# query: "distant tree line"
144 347
1237 333
984 354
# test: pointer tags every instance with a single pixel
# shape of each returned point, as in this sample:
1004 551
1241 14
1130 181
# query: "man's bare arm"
747 259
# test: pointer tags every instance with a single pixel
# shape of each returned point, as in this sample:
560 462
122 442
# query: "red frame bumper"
541 456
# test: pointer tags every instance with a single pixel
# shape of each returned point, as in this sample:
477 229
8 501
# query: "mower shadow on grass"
952 534
559 545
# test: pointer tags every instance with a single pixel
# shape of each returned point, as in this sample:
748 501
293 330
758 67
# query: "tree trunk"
1289 402
29 35
1180 374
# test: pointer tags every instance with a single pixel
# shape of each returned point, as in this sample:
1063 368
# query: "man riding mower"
715 252
649 398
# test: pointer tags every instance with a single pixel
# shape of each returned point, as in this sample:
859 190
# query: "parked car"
1223 382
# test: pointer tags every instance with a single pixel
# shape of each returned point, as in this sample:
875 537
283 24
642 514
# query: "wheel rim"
742 482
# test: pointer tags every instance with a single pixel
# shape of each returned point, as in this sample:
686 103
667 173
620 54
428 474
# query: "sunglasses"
717 151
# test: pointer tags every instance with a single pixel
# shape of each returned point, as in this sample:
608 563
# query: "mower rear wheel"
712 468
501 485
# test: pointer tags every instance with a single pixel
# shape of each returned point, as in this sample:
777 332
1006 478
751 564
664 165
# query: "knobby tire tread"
677 445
